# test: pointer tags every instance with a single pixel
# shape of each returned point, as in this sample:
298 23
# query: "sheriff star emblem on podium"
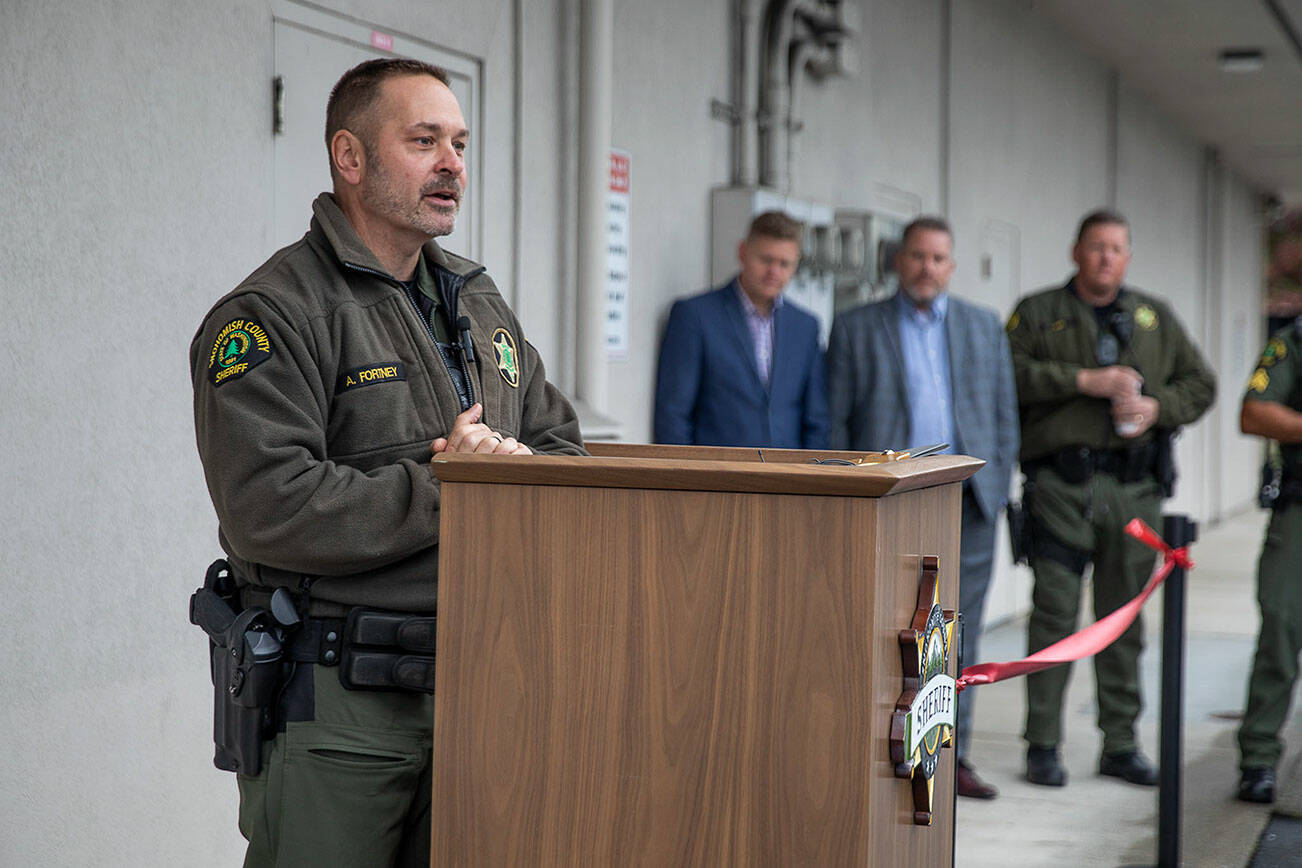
923 720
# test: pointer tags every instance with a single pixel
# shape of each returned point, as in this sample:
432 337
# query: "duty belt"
373 648
1077 464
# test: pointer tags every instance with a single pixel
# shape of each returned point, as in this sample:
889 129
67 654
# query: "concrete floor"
1106 822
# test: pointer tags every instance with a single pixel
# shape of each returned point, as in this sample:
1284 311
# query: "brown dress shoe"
970 784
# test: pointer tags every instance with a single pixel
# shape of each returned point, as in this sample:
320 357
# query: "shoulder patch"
508 362
369 375
241 346
1260 380
1145 317
1275 351
1013 322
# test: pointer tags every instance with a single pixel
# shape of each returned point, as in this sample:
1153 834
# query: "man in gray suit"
924 367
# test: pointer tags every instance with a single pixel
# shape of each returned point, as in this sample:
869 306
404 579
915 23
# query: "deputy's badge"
241 345
1274 352
1260 380
508 363
1145 317
1013 322
923 721
1058 325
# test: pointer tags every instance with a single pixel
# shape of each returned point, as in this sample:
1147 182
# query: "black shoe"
1044 768
1130 766
1257 785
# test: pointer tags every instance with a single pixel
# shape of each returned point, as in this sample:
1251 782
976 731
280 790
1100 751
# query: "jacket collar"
1125 299
349 248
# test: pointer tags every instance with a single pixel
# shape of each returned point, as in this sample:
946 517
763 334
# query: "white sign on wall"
617 239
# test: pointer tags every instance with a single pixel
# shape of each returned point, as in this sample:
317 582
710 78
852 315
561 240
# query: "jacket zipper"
465 366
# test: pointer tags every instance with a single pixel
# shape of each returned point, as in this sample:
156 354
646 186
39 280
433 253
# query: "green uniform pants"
1089 518
349 785
1274 669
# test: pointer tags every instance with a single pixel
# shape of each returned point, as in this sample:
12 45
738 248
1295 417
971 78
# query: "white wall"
1234 460
877 132
670 60
1160 188
1028 140
136 165
137 169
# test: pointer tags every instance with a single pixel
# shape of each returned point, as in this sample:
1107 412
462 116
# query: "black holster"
248 668
1019 531
1029 539
1164 460
1272 477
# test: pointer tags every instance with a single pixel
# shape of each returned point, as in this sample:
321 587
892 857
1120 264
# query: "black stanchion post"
1178 531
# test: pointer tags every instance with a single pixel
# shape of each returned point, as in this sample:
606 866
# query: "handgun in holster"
1019 524
1018 536
1164 469
1272 477
248 664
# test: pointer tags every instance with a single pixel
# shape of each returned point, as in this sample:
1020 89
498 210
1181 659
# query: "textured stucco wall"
135 168
136 165
670 60
1239 336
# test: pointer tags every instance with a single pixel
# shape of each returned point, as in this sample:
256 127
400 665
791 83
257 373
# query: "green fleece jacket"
317 391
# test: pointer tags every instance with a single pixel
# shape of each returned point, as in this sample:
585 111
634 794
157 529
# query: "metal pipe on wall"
771 120
785 53
745 87
596 63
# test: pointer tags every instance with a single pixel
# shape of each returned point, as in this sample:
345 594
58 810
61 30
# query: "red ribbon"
1096 636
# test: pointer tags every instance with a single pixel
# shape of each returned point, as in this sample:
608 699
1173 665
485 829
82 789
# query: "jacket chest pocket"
373 408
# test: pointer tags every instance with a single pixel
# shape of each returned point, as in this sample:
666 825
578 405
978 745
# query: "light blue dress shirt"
760 326
926 372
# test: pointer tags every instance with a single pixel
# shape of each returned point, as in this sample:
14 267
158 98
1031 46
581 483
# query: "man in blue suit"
739 365
923 367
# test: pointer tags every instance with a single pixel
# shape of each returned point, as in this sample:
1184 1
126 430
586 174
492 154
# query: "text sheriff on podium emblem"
923 721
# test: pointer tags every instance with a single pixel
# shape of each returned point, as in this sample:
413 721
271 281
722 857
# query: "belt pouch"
388 651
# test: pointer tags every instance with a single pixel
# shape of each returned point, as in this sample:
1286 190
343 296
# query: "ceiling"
1169 51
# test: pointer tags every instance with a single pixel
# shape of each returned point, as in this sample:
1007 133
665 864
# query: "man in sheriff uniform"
322 384
1105 374
1271 409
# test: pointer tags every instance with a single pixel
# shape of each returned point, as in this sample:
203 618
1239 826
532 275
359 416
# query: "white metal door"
312 49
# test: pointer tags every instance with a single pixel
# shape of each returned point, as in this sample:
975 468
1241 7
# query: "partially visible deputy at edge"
740 365
322 385
1272 408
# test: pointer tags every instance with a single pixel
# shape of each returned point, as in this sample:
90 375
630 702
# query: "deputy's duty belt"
1076 465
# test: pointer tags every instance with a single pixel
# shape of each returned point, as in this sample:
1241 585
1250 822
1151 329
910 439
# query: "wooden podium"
683 656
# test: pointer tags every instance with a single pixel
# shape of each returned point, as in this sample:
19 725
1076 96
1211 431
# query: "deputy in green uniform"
322 386
1105 374
1271 409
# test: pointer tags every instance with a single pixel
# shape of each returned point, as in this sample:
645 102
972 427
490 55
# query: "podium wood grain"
659 676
